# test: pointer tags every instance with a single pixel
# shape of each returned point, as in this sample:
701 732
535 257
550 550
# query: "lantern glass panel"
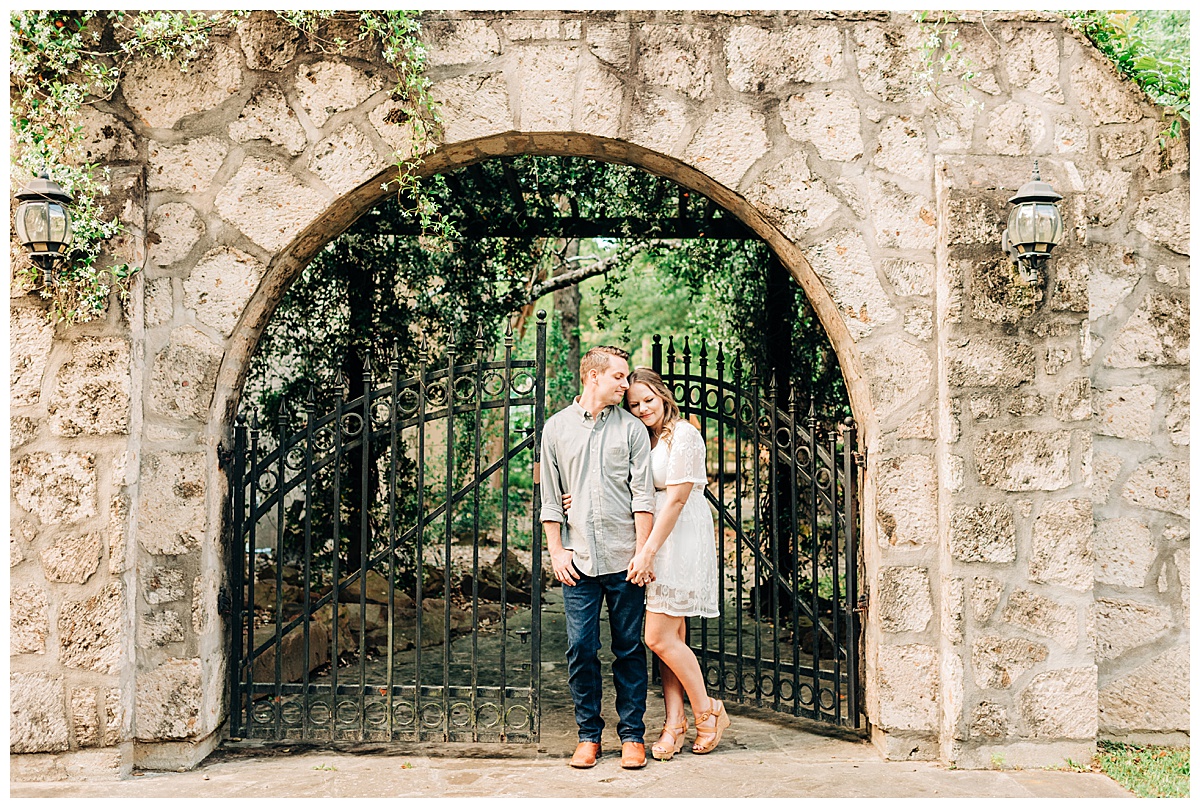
33 224
60 226
1022 226
1049 224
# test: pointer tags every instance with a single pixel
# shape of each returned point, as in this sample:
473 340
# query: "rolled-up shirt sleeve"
552 488
641 475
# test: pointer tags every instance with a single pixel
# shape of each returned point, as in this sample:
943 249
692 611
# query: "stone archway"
983 506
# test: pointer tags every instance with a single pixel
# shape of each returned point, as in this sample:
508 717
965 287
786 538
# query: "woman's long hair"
657 386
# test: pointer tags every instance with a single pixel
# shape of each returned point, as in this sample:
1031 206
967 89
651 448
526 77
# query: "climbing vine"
942 54
62 61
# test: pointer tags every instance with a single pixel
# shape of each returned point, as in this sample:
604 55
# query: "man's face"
612 382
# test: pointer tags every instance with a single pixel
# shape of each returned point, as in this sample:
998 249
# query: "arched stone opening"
339 215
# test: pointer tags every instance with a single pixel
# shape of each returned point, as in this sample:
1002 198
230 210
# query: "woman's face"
645 405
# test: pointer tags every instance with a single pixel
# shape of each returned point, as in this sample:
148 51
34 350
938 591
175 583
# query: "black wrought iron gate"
787 533
449 451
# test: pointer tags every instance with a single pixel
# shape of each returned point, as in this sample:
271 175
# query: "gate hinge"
224 602
861 607
224 456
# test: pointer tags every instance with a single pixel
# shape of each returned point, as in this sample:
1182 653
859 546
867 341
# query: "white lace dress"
686 564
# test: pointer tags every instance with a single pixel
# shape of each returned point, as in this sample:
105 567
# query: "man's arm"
642 522
552 516
641 475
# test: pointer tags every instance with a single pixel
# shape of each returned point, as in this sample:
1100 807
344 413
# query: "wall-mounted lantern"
44 222
1035 226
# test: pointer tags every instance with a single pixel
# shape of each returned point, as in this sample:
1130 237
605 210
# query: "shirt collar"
587 416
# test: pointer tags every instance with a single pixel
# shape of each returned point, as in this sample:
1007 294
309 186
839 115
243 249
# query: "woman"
677 564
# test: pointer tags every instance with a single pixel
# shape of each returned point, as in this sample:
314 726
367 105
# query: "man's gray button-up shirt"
604 464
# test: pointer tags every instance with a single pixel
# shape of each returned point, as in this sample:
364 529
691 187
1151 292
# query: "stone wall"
1025 528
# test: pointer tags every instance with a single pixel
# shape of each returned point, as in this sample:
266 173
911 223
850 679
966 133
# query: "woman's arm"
642 564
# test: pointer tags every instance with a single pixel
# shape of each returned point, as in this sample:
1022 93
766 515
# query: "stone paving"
761 755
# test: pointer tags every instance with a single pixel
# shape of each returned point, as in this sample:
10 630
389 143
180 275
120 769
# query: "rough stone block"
902 220
908 678
1102 93
1152 698
907 502
1000 661
204 602
1156 334
1024 460
902 148
546 81
118 523
37 718
268 204
601 99
174 229
1074 402
474 106
793 198
1032 62
732 139
997 294
1043 616
1123 625
1108 191
185 375
72 559
460 42
845 265
160 628
983 533
29 338
1105 471
1015 129
988 720
327 88
885 55
985 362
57 488
985 597
21 430
908 277
1166 218
1061 704
1178 419
761 60
164 585
268 41
900 372
106 139
172 519
161 96
1124 552
85 719
187 168
1070 136
29 622
220 285
828 119
609 42
114 717
1061 552
1126 412
905 603
1161 485
91 394
269 117
168 701
678 57
90 631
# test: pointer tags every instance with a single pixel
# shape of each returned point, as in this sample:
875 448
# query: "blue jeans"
626 613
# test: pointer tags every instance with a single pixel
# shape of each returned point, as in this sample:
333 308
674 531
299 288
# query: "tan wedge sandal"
670 742
707 738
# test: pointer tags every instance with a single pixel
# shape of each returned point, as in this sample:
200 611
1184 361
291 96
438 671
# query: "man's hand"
566 502
564 570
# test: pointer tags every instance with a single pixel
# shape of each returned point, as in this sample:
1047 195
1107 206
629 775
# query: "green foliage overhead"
1150 47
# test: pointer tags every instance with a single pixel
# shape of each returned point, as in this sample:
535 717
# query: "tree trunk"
566 305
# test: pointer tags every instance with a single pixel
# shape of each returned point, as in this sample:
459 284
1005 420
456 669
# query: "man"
597 452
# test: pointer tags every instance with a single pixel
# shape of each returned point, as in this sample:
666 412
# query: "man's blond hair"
598 358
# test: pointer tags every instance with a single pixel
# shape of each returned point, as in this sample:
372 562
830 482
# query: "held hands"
640 572
641 568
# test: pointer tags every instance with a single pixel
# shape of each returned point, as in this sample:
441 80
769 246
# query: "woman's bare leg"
665 637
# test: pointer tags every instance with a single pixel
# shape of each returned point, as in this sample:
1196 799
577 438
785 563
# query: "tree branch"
572 277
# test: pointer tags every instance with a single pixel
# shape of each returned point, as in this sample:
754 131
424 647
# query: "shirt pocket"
616 459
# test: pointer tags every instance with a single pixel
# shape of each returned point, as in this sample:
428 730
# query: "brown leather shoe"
633 755
585 755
